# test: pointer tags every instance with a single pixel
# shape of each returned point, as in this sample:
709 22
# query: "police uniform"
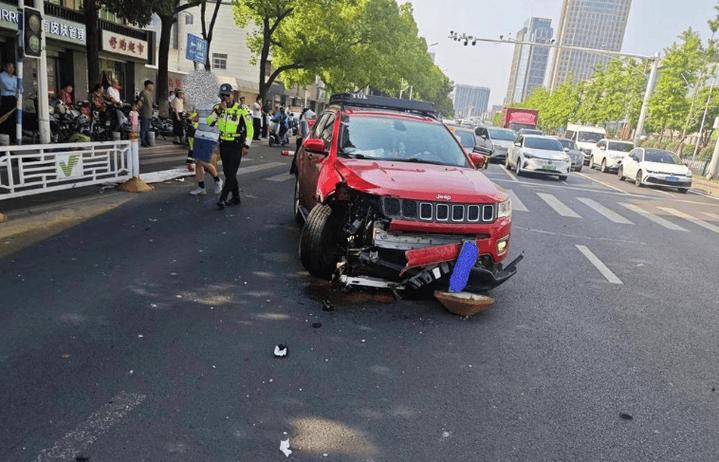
235 126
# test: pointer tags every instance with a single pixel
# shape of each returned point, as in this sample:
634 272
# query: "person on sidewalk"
147 98
257 118
8 99
178 120
303 132
201 161
235 126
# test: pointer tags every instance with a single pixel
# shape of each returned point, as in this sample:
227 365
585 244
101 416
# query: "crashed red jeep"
389 198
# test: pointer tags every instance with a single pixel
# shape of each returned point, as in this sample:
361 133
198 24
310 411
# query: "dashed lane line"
711 215
558 206
594 260
650 216
509 174
259 168
690 218
280 178
517 204
610 215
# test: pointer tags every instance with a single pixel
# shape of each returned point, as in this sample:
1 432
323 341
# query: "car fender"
327 182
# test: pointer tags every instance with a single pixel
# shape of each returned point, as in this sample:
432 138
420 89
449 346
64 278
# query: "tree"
208 30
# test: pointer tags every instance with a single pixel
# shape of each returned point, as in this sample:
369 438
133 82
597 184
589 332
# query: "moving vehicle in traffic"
648 166
388 198
609 154
502 139
470 142
575 155
529 131
516 118
586 138
539 154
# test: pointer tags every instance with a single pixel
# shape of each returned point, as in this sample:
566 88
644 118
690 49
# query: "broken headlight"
504 209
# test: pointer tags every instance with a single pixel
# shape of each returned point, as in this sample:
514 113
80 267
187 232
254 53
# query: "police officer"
235 127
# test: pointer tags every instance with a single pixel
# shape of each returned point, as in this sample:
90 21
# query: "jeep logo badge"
444 197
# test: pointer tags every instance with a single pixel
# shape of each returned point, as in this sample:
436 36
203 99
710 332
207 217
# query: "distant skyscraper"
592 24
470 101
529 65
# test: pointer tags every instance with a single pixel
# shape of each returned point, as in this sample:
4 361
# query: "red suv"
389 197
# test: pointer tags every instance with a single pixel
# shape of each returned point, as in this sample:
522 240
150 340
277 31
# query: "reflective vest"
230 122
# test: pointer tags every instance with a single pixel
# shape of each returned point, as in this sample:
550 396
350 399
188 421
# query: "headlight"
527 155
504 209
690 174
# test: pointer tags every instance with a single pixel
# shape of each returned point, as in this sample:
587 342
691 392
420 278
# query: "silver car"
502 139
539 154
577 156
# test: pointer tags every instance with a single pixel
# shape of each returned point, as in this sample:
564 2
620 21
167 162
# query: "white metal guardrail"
39 168
698 167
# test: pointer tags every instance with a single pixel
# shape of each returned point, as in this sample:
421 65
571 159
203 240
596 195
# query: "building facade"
598 24
470 101
529 64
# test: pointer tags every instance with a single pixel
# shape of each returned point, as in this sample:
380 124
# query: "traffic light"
32 33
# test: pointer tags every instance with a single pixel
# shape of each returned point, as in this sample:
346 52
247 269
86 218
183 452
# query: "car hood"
616 154
419 181
659 167
585 144
554 155
503 143
575 154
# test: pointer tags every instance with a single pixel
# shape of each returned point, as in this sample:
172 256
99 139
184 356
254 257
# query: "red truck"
389 198
518 118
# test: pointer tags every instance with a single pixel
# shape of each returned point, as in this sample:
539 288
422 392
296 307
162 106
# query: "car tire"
579 169
591 163
603 167
506 163
638 179
683 190
563 177
319 250
620 173
518 167
296 203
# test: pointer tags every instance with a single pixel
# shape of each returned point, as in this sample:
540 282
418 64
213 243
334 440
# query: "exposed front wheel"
603 167
296 203
620 173
506 163
591 163
562 177
684 190
518 167
638 179
319 243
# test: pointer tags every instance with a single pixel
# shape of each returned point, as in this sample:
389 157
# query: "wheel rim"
297 197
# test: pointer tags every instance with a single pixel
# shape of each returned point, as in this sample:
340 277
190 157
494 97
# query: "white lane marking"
517 204
602 183
509 174
694 220
711 215
577 236
280 178
594 260
79 439
259 168
650 216
558 206
559 185
611 215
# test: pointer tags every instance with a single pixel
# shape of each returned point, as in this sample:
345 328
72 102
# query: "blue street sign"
196 49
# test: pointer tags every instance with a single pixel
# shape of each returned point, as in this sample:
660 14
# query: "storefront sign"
124 45
55 28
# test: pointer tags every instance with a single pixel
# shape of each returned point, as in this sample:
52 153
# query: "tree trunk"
264 55
92 44
207 31
162 64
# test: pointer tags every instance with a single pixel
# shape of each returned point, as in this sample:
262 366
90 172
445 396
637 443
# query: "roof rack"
383 102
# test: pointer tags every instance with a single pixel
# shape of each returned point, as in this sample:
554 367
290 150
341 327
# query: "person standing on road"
257 118
201 161
178 120
236 131
8 96
146 99
303 131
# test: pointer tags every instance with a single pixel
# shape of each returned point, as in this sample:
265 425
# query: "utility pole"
43 105
466 39
18 69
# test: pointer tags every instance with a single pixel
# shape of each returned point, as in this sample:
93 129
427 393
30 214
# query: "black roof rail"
384 102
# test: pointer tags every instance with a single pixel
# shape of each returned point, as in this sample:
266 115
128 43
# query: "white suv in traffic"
609 154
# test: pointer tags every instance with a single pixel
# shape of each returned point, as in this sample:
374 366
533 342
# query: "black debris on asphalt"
625 416
317 325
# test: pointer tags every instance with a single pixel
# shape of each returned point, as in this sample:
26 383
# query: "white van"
586 137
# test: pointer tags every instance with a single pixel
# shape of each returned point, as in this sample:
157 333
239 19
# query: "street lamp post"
466 39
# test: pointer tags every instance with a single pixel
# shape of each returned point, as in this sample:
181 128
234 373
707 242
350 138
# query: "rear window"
399 140
466 138
502 134
623 147
589 137
661 156
546 144
569 144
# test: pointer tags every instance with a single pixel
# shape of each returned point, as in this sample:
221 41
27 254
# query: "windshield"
546 144
623 147
385 138
663 157
567 143
527 131
589 137
502 134
465 138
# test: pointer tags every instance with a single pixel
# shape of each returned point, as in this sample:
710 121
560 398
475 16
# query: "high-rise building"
529 65
596 24
470 101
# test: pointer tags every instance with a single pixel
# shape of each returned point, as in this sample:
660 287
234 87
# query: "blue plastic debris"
463 266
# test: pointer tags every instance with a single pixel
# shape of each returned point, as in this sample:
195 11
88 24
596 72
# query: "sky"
653 25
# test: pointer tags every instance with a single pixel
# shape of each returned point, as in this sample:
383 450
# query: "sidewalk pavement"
709 187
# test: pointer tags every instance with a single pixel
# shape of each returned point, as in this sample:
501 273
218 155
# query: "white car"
539 154
656 167
609 154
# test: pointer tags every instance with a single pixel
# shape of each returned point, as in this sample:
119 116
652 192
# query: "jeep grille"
440 212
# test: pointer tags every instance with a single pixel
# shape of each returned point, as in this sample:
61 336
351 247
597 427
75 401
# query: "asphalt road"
147 334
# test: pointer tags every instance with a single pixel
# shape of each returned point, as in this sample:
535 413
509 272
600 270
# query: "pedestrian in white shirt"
257 118
178 123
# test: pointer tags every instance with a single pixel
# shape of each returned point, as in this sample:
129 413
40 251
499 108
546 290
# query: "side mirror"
566 150
478 160
315 145
602 148
518 144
